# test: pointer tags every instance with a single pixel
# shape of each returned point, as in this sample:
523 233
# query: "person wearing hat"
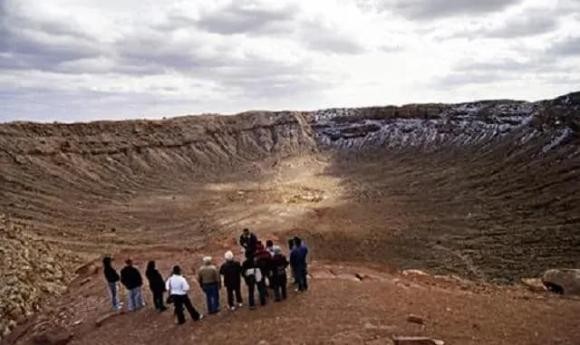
210 282
279 279
131 279
112 278
232 272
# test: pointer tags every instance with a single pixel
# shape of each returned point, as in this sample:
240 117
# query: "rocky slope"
31 271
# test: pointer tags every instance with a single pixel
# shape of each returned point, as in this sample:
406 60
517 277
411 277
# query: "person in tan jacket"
210 282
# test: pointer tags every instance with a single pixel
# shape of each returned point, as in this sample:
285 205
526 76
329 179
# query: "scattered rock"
534 284
563 281
105 317
415 319
417 341
55 336
413 272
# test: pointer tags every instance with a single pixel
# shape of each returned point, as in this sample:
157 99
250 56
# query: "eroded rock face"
564 281
30 270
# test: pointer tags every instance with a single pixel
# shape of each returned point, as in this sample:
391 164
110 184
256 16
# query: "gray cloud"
244 17
433 9
39 44
569 46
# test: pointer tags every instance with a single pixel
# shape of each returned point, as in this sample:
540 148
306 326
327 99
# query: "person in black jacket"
131 279
248 241
112 278
156 284
232 272
253 277
278 276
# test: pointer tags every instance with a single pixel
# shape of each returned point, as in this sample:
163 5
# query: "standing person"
263 261
270 247
232 272
253 277
248 241
210 282
299 265
178 288
279 278
157 286
290 247
131 279
112 278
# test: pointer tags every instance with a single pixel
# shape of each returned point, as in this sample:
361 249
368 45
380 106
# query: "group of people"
263 269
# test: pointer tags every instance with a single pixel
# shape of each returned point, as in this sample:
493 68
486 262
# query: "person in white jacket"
178 288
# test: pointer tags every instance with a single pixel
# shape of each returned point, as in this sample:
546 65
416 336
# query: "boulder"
417 341
415 319
534 284
55 336
563 281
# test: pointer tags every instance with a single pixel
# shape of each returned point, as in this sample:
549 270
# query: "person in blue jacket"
298 262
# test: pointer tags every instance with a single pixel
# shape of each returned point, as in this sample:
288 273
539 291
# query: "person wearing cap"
210 281
131 279
279 279
178 288
112 278
232 272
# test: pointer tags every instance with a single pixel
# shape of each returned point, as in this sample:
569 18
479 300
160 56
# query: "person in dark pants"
248 241
178 288
131 279
232 272
263 261
157 286
279 279
253 278
299 265
112 278
210 282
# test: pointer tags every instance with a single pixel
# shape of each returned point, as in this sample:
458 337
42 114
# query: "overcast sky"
81 60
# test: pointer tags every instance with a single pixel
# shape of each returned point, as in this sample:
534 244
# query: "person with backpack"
157 286
112 278
131 279
178 288
279 279
253 277
210 281
299 265
232 272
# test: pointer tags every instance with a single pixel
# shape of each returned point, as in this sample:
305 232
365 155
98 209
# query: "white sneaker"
232 308
200 317
240 305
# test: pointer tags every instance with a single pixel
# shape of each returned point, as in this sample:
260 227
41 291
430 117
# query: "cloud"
251 17
434 9
569 47
109 58
528 23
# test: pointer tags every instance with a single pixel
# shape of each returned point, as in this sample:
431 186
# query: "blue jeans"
300 274
114 295
134 299
212 294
